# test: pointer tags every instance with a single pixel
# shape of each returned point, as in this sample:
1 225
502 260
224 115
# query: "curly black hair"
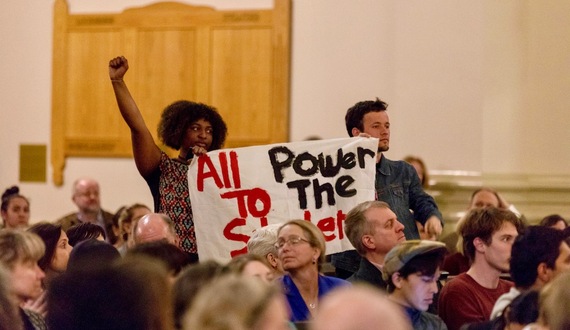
177 118
355 114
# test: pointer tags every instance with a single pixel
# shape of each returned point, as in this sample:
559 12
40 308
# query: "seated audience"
84 231
554 302
555 221
373 230
131 294
302 250
190 280
9 312
538 256
15 209
19 255
162 251
456 262
488 235
154 227
359 307
250 265
412 272
238 302
262 243
57 249
523 310
125 222
86 196
91 253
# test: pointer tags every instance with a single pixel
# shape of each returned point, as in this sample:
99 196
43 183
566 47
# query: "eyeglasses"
292 240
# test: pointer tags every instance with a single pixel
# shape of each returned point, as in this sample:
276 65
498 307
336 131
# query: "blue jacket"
299 310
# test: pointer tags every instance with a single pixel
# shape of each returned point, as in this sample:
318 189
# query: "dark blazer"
369 273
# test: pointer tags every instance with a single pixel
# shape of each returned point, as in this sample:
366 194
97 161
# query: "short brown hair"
356 225
482 223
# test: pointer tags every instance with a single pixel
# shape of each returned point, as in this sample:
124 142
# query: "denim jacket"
397 184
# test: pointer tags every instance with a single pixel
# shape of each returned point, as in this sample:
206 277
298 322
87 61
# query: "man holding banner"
396 182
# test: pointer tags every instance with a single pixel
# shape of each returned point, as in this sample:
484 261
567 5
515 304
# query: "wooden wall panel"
241 80
236 61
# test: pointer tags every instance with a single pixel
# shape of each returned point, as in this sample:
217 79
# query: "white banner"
235 191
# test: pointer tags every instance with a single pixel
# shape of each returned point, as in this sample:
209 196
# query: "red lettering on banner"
247 201
204 160
329 224
206 169
230 235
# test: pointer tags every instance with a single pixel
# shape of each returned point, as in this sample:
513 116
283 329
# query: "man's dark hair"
355 114
482 223
536 245
425 264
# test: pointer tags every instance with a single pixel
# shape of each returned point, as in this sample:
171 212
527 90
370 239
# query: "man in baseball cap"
411 270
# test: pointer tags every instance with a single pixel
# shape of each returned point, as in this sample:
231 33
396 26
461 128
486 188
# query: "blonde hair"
231 302
19 246
314 236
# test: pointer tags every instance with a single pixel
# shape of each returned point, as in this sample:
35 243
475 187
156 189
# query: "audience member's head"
85 195
490 229
486 197
130 294
91 253
15 209
359 307
162 251
126 218
554 302
262 243
84 231
154 227
56 257
9 316
19 254
538 255
238 303
555 221
373 229
412 270
189 282
251 265
310 234
420 168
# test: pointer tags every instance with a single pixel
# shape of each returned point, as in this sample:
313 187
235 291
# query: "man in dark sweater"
373 229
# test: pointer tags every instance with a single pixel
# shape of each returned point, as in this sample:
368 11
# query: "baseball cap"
402 253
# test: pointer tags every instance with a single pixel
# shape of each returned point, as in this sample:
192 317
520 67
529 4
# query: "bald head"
86 195
359 307
154 227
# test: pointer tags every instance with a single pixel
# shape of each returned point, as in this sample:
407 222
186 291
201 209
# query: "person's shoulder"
67 220
333 281
457 284
107 215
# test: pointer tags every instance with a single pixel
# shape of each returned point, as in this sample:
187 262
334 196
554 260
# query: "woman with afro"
189 127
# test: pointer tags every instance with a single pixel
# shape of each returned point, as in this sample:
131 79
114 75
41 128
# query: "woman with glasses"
301 249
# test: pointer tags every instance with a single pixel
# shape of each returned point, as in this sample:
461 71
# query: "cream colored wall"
472 85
